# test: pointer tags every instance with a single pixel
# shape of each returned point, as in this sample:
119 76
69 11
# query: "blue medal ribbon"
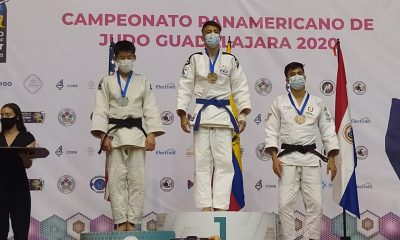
212 63
301 111
123 91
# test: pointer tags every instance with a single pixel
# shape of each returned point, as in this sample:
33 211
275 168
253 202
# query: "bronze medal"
300 119
212 78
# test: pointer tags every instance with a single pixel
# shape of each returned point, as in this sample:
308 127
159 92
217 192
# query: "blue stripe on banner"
237 183
392 139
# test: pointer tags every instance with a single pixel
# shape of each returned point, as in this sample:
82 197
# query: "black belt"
129 122
289 148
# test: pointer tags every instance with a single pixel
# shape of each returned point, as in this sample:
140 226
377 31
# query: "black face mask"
8 123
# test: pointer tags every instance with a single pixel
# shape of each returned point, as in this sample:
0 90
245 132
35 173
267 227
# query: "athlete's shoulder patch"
236 60
188 60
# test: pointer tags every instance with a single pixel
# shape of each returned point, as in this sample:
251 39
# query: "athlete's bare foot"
219 210
130 226
121 227
206 209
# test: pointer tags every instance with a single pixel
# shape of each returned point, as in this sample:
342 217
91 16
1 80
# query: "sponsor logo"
365 186
258 119
170 151
263 86
348 133
3 31
362 120
66 184
33 117
167 117
327 87
59 152
261 154
66 117
326 185
359 88
36 184
33 83
98 184
362 152
5 84
258 185
91 84
168 86
60 85
167 184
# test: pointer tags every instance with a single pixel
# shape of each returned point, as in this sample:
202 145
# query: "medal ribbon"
123 92
301 111
212 63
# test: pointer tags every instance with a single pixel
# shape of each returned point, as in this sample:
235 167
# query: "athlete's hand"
150 143
107 145
277 166
242 126
185 124
331 167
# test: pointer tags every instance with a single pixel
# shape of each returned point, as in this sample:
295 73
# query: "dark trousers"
15 204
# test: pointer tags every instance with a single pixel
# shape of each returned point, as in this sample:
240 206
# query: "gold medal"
212 78
300 119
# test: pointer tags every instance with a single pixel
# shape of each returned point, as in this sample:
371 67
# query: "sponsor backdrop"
54 53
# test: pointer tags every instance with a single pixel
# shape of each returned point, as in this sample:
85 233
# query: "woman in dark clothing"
15 198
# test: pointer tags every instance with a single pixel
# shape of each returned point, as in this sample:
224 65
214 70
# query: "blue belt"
217 103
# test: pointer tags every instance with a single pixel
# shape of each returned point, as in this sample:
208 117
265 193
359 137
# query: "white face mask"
297 82
125 65
212 40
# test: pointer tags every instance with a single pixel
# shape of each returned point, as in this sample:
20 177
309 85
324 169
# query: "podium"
137 235
34 152
226 225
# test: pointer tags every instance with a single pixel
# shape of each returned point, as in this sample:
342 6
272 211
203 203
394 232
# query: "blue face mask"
297 82
212 40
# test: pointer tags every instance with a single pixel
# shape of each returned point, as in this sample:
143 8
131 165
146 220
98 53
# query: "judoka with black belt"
293 123
127 120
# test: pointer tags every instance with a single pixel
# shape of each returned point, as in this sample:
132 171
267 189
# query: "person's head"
11 116
295 77
211 31
124 55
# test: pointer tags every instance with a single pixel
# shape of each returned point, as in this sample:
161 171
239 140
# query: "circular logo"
359 88
362 152
348 133
66 117
98 184
261 154
130 238
66 184
327 87
167 184
263 86
167 117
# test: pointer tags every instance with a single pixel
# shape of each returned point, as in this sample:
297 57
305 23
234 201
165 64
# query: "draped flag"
392 139
344 184
237 193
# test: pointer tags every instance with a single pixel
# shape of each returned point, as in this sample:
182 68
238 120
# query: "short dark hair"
125 46
211 23
293 65
20 122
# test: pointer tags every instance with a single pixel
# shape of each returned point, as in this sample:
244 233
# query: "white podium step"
226 225
156 235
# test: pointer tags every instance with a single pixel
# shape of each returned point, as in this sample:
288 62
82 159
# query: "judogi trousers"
213 148
126 183
307 180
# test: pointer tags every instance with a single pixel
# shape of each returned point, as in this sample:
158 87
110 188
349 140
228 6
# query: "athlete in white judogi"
213 76
295 120
127 120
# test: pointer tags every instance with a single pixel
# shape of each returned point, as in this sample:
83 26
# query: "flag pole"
344 227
